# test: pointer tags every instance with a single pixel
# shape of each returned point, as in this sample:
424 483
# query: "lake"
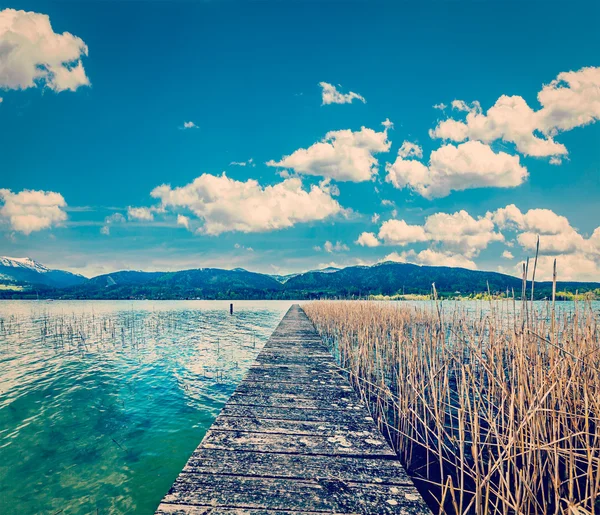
103 402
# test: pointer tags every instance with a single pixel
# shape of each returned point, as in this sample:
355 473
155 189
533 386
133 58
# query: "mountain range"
26 278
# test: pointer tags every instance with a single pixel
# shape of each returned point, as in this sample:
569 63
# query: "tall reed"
492 411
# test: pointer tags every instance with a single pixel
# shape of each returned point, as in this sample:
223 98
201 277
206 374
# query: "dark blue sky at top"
247 74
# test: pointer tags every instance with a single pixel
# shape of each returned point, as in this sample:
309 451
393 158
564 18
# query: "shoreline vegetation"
494 412
384 281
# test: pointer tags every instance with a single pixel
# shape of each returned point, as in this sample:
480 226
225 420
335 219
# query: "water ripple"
101 403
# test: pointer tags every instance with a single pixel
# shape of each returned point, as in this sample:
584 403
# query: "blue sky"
87 138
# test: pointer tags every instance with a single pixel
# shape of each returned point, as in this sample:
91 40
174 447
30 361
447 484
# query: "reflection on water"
102 402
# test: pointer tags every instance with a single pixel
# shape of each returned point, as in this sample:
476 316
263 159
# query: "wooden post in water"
231 308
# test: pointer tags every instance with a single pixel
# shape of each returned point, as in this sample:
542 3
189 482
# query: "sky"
287 136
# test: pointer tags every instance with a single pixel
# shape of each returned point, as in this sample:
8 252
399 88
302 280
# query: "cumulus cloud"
142 214
455 239
569 267
184 221
225 204
32 54
578 257
30 210
368 239
115 218
337 247
409 149
431 257
556 234
455 168
330 95
461 105
398 232
458 231
342 155
189 125
571 100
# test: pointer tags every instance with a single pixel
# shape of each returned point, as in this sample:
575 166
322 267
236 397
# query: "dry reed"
493 411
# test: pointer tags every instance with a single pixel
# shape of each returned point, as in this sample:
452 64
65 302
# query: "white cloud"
578 257
368 239
431 258
32 54
507 254
189 125
571 100
455 168
332 96
398 232
115 218
461 105
458 231
250 162
387 124
337 247
569 267
143 214
441 106
409 149
375 218
30 210
556 234
183 221
342 155
225 204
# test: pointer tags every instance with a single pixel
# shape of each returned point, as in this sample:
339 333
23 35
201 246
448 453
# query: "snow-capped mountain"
25 262
26 271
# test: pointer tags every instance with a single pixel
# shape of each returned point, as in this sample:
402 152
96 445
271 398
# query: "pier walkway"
293 438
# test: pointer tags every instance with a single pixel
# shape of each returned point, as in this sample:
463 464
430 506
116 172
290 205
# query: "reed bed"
492 411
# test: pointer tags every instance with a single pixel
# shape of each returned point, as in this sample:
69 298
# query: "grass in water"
495 411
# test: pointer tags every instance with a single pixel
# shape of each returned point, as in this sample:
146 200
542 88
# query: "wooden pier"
293 438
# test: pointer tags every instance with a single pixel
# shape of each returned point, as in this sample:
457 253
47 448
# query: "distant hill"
205 283
285 278
387 279
392 278
27 272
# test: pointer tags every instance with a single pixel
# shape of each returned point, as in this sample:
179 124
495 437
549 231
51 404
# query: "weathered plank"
293 438
321 495
347 444
297 466
296 427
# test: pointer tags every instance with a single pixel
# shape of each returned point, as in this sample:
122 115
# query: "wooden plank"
291 413
308 391
293 438
320 495
341 444
297 466
296 427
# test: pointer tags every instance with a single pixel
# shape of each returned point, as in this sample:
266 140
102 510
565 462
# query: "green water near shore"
102 403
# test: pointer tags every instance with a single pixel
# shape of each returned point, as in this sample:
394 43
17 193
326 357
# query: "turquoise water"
102 402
